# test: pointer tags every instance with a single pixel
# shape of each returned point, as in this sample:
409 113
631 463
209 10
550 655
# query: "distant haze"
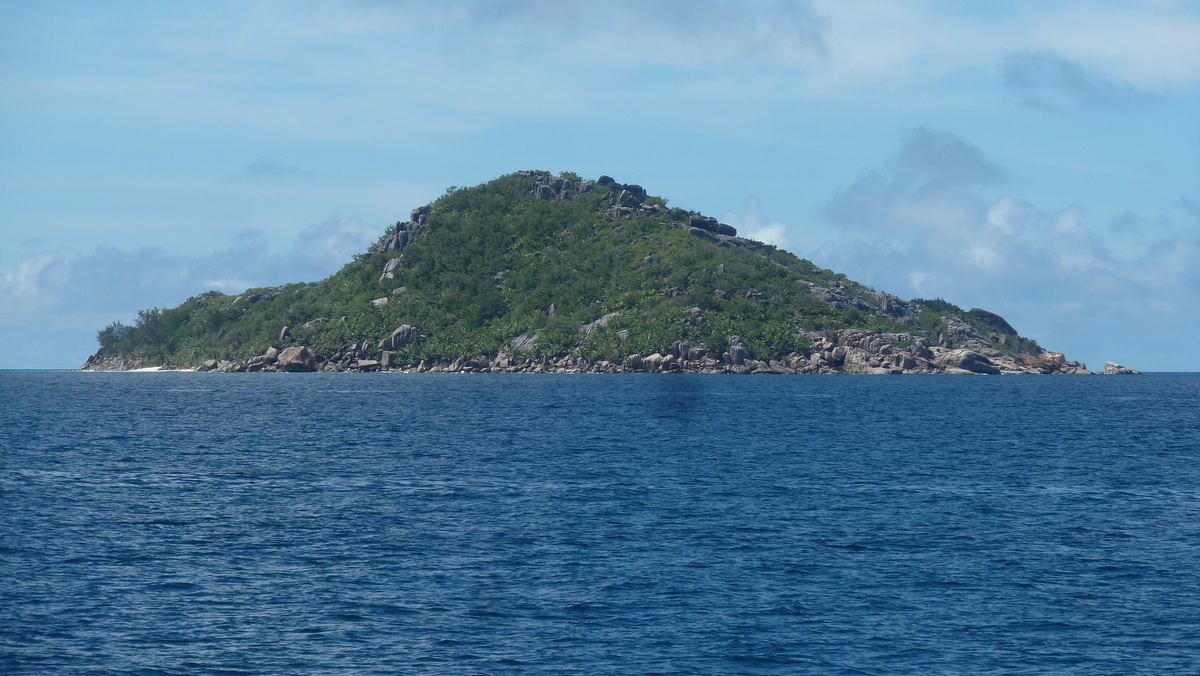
1036 159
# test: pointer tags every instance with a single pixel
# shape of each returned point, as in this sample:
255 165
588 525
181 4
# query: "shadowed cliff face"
535 272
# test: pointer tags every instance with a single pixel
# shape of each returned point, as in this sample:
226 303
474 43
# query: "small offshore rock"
1115 369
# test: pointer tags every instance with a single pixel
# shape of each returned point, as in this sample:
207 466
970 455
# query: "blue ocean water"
183 523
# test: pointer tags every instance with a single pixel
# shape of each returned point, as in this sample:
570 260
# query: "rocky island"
533 272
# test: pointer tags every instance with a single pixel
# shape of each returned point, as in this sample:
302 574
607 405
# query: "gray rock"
728 241
738 353
780 367
284 334
638 192
967 360
1115 369
386 359
855 360
587 329
402 336
204 296
679 349
388 269
524 342
711 225
296 359
399 291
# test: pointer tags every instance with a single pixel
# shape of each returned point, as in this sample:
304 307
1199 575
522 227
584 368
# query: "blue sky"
1037 159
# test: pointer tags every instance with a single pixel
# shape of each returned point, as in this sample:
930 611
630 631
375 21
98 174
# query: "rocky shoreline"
847 351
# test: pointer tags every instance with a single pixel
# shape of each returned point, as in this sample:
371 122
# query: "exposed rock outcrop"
547 187
738 353
296 359
1114 369
402 336
404 232
966 360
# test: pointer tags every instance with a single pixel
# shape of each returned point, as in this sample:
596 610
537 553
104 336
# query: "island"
536 272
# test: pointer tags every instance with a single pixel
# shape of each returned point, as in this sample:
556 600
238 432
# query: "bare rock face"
1055 362
587 329
400 337
967 360
711 225
738 353
1115 369
546 187
524 342
404 232
296 359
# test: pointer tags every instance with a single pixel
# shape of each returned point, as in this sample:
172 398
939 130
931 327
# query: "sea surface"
207 523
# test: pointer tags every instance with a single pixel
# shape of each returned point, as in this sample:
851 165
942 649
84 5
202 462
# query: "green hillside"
534 269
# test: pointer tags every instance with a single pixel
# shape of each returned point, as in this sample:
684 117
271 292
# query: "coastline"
938 361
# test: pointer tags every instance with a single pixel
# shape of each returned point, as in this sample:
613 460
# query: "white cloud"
752 225
891 43
925 186
1048 271
22 280
1007 216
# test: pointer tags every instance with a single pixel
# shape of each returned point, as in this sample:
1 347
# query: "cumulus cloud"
925 186
915 228
1047 81
752 225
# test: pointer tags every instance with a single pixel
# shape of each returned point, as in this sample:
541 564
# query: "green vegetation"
495 262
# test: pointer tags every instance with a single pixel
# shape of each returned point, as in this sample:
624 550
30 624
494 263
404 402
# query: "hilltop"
537 272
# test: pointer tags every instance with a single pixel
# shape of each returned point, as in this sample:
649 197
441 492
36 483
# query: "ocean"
206 523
